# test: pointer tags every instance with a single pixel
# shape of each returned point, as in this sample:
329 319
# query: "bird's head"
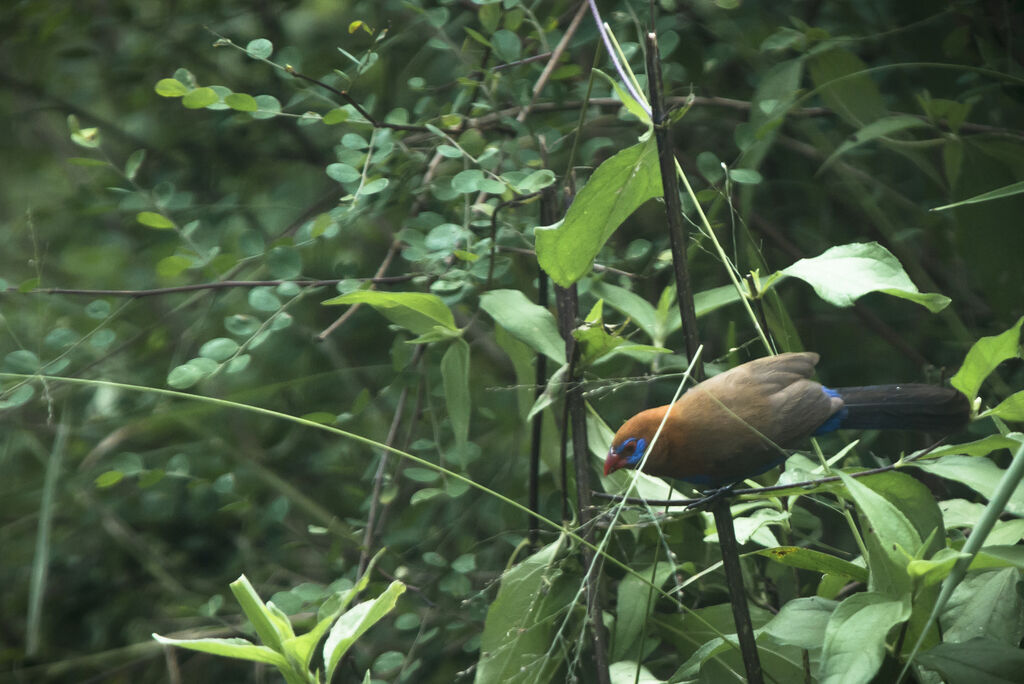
624 453
635 438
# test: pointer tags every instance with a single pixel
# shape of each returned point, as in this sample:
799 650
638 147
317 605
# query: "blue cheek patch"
638 450
835 421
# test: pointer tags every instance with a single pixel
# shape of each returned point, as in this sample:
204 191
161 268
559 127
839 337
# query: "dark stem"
568 307
547 215
673 208
737 594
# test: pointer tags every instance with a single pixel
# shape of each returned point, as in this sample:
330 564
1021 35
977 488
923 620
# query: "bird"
739 423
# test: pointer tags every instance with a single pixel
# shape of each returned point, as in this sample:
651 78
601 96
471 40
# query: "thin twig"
219 285
378 479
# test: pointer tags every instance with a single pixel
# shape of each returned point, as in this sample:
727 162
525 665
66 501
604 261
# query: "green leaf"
985 355
185 376
170 87
529 323
355 622
343 173
890 537
131 167
980 474
999 193
745 176
242 102
986 604
266 624
415 311
154 220
374 186
199 98
109 479
269 107
229 648
1010 409
639 310
855 636
536 181
455 377
506 44
843 274
840 80
802 622
489 15
219 349
22 361
264 299
520 622
710 300
980 447
284 262
816 561
977 660
260 48
615 190
336 116
632 106
636 599
19 396
468 181
877 129
477 36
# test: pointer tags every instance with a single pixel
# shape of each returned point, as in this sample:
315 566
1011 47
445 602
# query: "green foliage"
290 653
180 203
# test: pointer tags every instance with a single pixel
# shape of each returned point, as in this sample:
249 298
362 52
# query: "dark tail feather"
903 407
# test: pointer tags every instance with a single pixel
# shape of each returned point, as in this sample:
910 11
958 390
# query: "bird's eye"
638 451
624 447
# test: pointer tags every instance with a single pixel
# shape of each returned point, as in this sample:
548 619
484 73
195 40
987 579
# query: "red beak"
613 462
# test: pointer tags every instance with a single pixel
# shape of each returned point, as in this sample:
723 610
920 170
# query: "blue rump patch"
835 421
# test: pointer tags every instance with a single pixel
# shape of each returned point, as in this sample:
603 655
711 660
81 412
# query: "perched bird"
738 423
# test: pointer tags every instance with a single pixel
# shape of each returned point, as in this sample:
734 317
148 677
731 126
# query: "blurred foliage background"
150 505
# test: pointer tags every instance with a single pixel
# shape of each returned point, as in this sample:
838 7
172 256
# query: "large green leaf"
845 273
890 537
635 603
527 322
615 190
855 637
352 624
985 355
839 79
975 661
980 474
519 627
